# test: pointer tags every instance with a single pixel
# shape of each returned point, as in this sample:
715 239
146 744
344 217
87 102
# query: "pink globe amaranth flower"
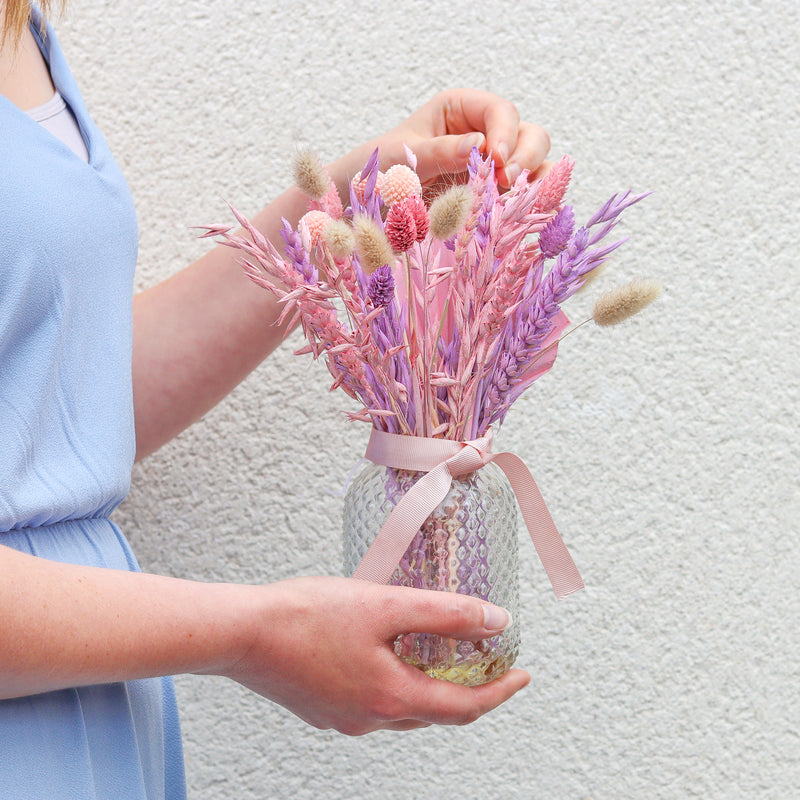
312 225
401 227
421 219
397 183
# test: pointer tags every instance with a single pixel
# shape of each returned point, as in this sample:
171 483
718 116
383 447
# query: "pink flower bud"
400 227
397 183
420 213
311 227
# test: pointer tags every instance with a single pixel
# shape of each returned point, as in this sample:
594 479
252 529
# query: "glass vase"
469 544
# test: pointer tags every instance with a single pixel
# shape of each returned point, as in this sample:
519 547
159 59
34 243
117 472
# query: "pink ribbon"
443 460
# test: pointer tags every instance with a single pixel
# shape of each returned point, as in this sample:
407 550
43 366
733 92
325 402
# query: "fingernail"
513 171
495 618
502 151
468 142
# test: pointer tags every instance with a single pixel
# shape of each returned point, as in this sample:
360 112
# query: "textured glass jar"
469 544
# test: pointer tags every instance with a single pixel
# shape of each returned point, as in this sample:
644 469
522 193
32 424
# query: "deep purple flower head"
380 288
553 239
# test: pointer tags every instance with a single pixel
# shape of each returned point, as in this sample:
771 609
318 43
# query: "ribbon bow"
442 460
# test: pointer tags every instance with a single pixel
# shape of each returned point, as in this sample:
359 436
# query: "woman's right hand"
323 648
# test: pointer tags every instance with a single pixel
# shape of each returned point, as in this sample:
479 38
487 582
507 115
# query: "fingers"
468 110
532 147
446 155
442 703
424 701
541 170
445 613
406 725
471 117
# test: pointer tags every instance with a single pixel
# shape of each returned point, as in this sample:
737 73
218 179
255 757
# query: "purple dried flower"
475 162
296 254
553 239
370 203
380 288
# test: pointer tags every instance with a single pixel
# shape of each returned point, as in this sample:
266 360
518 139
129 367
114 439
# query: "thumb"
448 614
445 155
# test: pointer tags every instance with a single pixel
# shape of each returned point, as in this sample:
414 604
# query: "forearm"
321 647
199 333
65 625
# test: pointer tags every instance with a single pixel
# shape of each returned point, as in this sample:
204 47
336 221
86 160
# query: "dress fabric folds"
68 244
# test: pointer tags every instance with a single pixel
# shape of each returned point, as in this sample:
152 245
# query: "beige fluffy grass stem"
339 237
613 307
372 246
448 212
617 305
310 175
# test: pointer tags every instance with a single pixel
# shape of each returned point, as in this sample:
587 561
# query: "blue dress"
68 244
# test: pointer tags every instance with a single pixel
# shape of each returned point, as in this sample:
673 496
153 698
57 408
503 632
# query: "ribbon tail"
553 553
407 517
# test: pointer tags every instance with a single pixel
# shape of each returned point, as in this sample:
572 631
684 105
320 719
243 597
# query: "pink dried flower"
312 227
443 340
554 185
401 226
397 183
421 219
331 203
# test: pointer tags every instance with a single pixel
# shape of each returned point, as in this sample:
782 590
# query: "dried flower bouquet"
436 318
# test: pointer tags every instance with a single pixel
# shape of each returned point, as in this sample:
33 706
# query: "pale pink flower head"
397 183
312 226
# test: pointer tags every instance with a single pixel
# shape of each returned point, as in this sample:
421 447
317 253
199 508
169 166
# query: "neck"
24 77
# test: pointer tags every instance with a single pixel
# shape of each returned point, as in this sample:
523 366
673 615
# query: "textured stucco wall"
667 448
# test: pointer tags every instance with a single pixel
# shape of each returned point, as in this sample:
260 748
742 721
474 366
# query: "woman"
85 709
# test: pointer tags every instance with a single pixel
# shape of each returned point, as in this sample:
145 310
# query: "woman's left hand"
219 329
444 130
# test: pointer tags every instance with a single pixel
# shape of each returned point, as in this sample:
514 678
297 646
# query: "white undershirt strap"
56 116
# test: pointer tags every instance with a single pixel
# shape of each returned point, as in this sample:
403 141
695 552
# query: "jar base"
473 670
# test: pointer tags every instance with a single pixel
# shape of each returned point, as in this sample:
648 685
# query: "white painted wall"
667 448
